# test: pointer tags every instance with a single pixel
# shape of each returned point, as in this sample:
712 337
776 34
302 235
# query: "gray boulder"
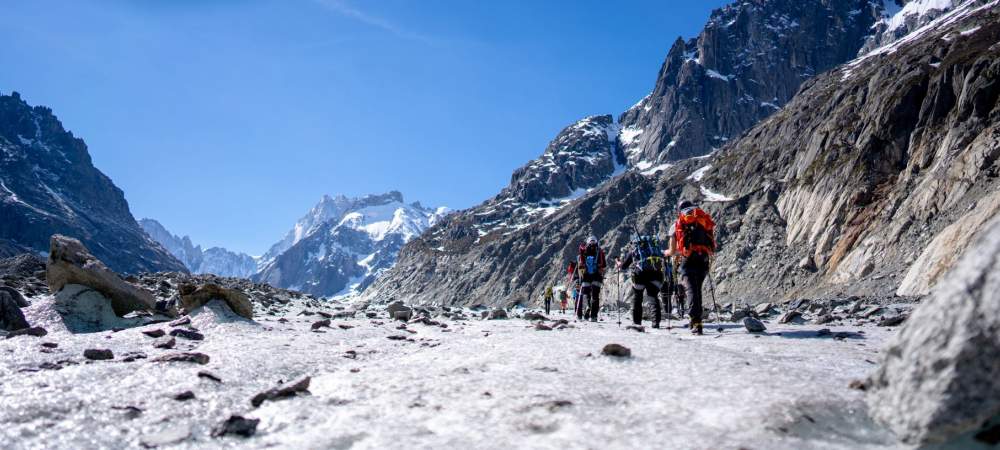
71 263
14 294
193 297
11 317
938 376
395 307
498 314
753 325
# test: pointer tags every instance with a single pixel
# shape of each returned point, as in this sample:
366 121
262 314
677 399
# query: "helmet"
592 240
684 204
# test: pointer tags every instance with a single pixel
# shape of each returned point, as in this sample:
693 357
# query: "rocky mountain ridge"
215 260
49 185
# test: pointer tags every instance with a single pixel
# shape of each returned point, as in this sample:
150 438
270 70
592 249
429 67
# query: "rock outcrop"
193 297
48 185
71 263
11 317
938 376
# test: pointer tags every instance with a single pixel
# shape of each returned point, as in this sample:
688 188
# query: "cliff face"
48 185
750 60
863 184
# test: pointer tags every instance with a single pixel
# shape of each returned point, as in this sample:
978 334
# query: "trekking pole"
712 283
618 305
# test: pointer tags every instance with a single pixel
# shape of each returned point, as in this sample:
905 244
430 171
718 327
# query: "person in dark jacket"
591 265
645 257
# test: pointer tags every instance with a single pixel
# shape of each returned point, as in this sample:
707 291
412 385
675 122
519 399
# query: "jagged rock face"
749 61
869 163
345 252
855 176
580 157
215 260
182 248
48 185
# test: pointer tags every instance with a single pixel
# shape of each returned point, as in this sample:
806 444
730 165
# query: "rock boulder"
71 263
938 376
11 317
194 297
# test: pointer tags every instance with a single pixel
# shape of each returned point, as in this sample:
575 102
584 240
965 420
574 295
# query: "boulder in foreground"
71 263
938 377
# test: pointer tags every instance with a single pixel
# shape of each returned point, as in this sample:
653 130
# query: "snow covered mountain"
49 185
343 244
215 260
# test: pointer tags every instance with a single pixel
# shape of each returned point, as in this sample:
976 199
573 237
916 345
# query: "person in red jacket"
591 265
693 243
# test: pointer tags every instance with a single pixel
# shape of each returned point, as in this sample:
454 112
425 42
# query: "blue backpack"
591 264
649 254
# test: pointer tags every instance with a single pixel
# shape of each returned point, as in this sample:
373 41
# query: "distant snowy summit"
215 260
342 243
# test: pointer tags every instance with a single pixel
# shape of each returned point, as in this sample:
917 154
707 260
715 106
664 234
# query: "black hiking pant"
694 269
548 305
649 282
590 297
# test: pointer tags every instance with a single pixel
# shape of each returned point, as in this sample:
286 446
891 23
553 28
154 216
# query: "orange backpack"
695 232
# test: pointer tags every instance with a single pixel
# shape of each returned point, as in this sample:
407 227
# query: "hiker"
548 299
693 244
591 265
563 299
647 275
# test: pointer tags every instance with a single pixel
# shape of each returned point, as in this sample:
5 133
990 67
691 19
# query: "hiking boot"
593 319
656 324
696 328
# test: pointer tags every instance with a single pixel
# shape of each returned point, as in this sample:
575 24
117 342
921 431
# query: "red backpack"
695 232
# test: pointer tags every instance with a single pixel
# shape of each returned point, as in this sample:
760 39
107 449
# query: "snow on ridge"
917 8
697 175
715 74
710 196
654 169
949 18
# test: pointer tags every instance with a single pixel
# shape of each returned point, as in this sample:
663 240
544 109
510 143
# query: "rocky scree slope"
48 185
214 260
343 244
841 192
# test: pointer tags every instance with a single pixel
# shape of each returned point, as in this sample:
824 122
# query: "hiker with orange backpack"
693 244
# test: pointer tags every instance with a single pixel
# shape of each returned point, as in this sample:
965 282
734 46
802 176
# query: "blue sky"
226 120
